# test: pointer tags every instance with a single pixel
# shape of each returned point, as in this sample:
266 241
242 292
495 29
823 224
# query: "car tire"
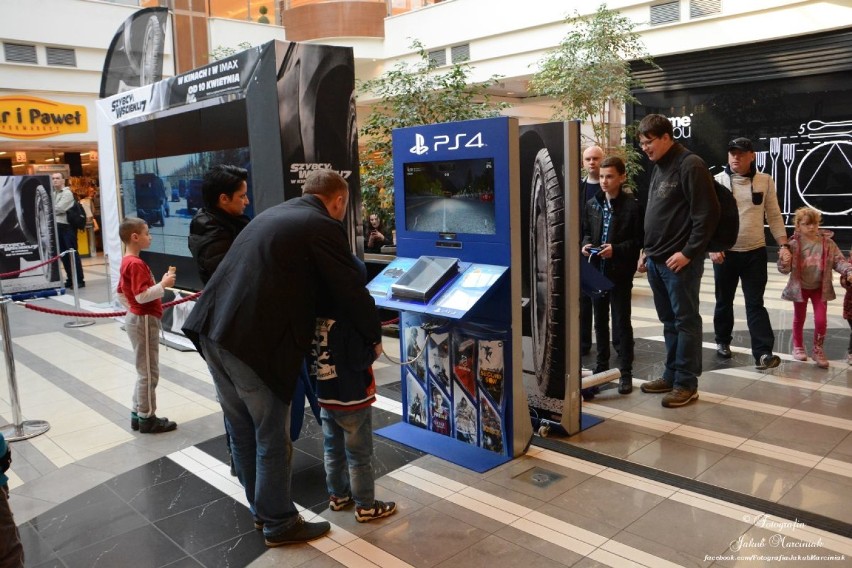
151 64
40 228
547 302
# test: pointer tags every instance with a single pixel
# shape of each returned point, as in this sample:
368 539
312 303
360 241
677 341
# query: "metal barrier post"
19 429
77 321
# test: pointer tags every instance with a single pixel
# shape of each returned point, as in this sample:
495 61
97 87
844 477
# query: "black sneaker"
625 384
258 524
768 361
379 510
723 350
302 531
679 397
134 421
154 425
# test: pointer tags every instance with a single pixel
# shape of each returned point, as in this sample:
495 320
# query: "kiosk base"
438 445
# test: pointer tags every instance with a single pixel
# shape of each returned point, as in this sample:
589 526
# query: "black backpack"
728 229
76 216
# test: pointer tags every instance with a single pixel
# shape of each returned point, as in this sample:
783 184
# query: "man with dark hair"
217 224
681 216
254 325
746 261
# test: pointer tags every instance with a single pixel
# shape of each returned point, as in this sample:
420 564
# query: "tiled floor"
758 471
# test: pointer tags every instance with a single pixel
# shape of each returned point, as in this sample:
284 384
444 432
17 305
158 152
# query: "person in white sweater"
746 261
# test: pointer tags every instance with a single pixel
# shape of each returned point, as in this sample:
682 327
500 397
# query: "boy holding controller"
612 238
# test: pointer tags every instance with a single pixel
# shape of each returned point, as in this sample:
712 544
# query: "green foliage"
589 71
221 52
413 94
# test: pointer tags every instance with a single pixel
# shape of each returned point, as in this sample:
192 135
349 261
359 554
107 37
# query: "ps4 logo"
442 141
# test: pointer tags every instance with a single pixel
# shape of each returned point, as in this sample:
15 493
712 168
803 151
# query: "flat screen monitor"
161 166
450 197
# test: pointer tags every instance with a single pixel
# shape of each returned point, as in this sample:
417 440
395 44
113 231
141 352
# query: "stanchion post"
77 321
19 429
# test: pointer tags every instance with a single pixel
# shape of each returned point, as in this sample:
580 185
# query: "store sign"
30 118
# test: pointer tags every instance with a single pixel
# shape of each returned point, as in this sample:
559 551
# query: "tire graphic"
40 230
355 229
150 66
546 277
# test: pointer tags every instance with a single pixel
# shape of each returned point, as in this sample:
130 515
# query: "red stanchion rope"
17 272
390 322
44 310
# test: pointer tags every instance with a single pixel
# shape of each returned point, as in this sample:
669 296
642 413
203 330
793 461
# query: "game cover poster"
465 418
439 358
464 357
414 347
417 403
491 369
492 426
439 420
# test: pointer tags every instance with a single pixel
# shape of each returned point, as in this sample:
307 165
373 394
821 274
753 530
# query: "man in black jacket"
254 325
680 218
214 227
612 238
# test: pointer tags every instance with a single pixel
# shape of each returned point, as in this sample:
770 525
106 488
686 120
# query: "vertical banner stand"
77 321
19 429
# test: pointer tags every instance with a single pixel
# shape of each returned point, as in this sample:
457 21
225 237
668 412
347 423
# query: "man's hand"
677 262
640 267
717 257
378 350
606 251
785 255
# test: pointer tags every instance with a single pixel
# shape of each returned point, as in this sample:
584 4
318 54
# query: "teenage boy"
141 295
612 238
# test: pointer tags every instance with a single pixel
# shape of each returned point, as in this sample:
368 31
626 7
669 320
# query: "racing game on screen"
453 196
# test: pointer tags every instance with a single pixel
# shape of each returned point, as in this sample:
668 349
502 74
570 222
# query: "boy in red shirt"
138 292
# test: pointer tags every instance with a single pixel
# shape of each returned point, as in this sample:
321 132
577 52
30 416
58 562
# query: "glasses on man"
645 143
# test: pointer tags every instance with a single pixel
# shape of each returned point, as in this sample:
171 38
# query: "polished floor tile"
782 436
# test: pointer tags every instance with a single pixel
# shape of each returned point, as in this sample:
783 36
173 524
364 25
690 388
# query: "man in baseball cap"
746 261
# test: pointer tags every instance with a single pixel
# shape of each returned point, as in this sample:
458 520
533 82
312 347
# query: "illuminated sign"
420 147
30 117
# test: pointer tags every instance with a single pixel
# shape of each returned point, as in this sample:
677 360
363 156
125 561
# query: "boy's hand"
377 349
168 279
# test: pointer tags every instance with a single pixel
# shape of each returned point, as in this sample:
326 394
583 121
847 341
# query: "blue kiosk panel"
460 351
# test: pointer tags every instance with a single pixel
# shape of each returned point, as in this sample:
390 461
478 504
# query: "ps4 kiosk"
458 237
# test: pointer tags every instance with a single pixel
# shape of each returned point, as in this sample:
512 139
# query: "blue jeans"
676 300
348 445
259 424
748 268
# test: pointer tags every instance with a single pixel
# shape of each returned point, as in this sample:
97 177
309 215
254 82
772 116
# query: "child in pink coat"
813 256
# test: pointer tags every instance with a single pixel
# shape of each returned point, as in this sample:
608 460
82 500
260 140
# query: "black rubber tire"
40 229
151 65
547 304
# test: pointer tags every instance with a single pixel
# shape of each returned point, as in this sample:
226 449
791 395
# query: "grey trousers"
143 332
